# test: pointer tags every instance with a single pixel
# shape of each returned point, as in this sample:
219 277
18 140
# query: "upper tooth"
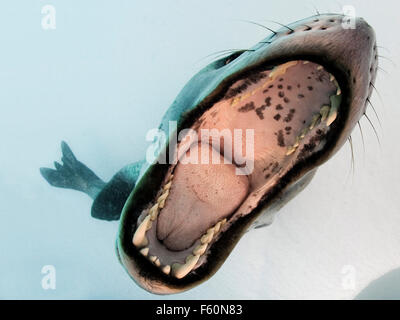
324 111
303 133
290 150
314 121
139 238
297 142
180 270
335 103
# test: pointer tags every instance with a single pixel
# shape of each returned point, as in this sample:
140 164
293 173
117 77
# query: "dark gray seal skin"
348 54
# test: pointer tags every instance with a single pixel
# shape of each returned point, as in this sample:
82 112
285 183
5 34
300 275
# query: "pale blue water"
99 81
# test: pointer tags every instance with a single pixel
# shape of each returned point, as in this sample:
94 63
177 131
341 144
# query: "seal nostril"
323 28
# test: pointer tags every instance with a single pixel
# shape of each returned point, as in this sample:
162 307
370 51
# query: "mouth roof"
291 108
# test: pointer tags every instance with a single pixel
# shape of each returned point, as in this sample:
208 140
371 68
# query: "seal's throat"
288 109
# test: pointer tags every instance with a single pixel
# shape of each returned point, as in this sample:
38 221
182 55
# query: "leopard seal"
301 91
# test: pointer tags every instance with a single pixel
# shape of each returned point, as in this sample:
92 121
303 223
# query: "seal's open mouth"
291 109
298 94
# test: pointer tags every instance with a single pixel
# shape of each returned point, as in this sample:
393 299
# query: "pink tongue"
200 196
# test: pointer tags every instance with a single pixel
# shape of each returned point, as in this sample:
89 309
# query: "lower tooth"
207 237
163 196
200 249
166 269
153 258
161 204
139 238
180 270
167 186
153 212
217 226
144 251
157 262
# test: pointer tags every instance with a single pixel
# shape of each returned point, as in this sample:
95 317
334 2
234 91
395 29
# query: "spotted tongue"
194 204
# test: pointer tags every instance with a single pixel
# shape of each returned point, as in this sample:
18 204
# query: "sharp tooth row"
139 238
181 270
326 114
140 241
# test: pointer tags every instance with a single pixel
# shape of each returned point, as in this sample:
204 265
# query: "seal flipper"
111 199
73 174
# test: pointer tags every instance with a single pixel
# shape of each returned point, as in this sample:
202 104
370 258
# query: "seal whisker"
384 48
352 155
376 114
362 137
281 24
388 59
316 10
377 92
373 127
383 70
260 25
